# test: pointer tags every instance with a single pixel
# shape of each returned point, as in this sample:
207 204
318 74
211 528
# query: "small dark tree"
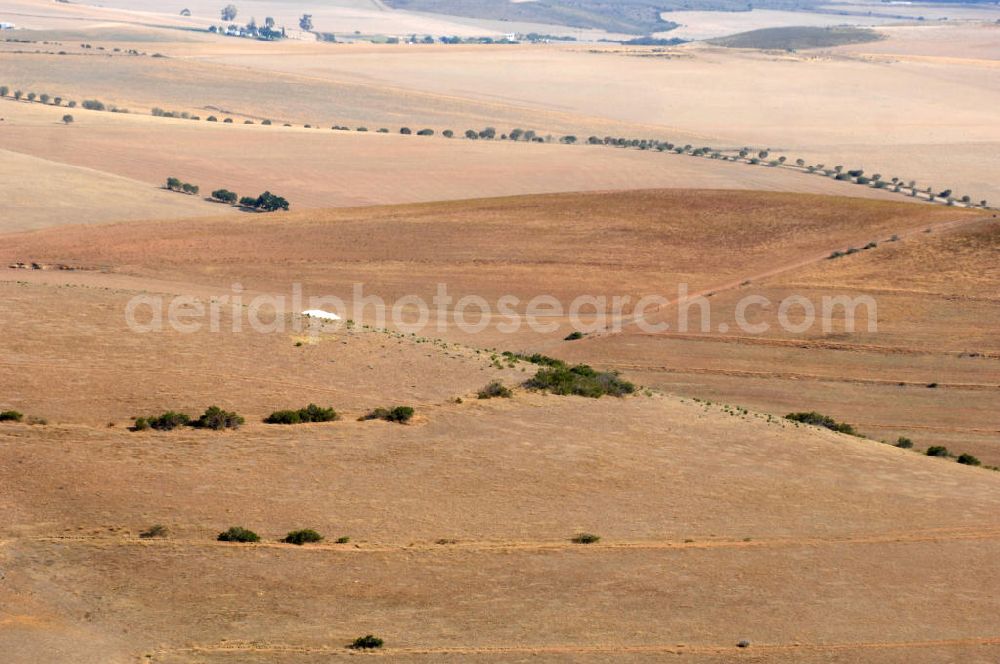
937 451
270 203
67 119
367 642
228 12
406 131
968 460
44 98
224 196
586 538
174 184
306 22
4 90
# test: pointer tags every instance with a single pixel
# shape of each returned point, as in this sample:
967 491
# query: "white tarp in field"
319 313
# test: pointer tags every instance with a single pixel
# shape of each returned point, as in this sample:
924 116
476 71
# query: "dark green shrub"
168 421
400 414
154 531
314 413
238 534
11 416
904 443
284 417
343 540
574 336
586 538
968 460
217 419
580 380
937 451
366 642
495 389
301 537
311 413
819 420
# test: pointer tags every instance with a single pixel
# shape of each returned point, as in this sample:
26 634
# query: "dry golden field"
719 519
717 523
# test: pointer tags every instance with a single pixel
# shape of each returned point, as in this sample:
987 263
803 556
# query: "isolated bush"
217 419
366 642
494 390
230 121
93 105
211 118
4 90
580 380
937 451
448 133
425 132
154 531
11 416
586 538
266 122
574 336
283 417
311 413
819 420
968 460
904 443
67 119
301 537
400 414
343 540
238 534
406 131
168 421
